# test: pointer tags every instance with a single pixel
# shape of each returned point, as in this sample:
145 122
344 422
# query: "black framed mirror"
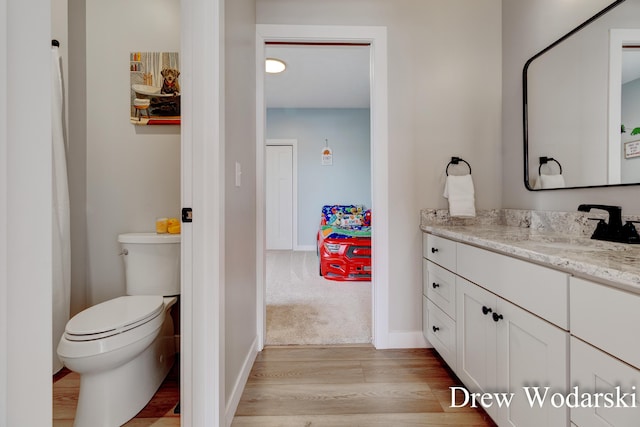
581 105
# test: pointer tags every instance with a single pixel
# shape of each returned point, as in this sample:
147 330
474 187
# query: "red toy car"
344 243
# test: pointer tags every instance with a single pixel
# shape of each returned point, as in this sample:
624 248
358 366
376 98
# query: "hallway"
351 386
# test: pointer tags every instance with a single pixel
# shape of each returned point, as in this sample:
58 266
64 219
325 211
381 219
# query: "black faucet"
613 231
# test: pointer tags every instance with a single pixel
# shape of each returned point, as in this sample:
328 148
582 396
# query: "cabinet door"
476 338
530 353
593 371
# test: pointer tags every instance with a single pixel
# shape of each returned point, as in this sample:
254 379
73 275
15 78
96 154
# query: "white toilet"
124 348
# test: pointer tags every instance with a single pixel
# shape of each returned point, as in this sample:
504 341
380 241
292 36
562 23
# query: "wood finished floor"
305 386
351 386
159 412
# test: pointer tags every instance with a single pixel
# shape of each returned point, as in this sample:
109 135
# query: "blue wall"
347 181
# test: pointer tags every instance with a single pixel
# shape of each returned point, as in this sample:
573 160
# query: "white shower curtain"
61 223
152 64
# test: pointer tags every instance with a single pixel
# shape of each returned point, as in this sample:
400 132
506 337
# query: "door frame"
377 38
202 310
293 143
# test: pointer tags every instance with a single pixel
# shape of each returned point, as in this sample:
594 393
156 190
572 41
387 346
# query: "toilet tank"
151 263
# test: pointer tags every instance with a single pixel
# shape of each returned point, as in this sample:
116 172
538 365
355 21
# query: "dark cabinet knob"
435 328
434 250
435 285
497 317
486 310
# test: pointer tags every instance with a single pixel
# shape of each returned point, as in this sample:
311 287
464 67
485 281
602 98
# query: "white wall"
132 172
346 181
239 202
25 214
528 27
60 32
444 100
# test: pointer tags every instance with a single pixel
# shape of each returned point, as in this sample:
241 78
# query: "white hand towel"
552 181
461 194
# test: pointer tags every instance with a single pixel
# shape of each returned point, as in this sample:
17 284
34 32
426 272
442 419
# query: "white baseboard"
241 381
407 339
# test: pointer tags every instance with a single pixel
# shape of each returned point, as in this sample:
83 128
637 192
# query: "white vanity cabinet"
513 319
518 326
605 353
510 320
503 348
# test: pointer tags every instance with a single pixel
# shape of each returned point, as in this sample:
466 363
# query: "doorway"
323 99
375 37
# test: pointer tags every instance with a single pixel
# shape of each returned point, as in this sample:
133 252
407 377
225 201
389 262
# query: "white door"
279 197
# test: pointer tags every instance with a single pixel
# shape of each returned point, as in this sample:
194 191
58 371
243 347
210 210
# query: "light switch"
238 174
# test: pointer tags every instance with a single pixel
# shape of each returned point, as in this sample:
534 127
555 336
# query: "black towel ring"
455 161
545 160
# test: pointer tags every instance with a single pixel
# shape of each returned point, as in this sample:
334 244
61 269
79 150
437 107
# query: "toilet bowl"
124 348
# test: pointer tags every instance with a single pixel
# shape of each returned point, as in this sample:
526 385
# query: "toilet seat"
113 317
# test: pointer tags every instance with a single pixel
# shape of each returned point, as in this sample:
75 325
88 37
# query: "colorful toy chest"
344 243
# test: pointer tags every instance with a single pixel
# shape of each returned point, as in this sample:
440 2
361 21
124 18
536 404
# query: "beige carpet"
305 308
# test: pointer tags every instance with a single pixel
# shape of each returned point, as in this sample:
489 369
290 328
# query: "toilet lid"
113 317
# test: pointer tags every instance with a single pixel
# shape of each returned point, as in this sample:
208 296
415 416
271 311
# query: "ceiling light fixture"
274 66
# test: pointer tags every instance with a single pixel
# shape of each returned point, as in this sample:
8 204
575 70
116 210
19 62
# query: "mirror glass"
582 105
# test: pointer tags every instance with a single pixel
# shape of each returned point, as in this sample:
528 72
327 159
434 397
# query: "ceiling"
319 76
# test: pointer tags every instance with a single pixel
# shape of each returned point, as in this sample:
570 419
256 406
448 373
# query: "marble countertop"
616 264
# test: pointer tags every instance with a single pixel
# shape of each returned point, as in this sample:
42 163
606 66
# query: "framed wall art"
631 149
155 88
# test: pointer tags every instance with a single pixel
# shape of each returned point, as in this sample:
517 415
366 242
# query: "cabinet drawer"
538 289
593 371
606 317
441 333
439 285
439 250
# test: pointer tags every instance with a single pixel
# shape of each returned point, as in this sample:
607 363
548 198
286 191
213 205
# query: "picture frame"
327 156
631 149
155 88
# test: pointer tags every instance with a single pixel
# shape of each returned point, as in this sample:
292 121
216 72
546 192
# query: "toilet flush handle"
124 252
